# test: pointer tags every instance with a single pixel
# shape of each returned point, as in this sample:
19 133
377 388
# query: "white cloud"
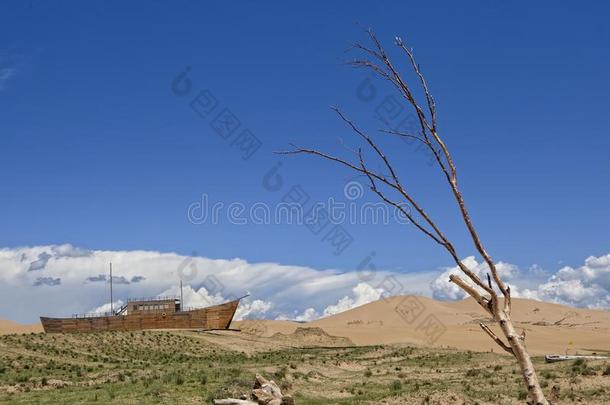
363 294
310 314
252 310
193 298
275 289
585 286
74 280
443 289
248 308
106 308
68 250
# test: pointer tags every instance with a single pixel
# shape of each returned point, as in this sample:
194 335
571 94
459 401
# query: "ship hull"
210 318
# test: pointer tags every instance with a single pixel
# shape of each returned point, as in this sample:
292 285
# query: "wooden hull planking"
214 317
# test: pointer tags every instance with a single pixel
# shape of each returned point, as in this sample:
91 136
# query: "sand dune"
7 327
549 328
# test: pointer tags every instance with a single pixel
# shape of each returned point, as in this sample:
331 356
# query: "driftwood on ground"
265 392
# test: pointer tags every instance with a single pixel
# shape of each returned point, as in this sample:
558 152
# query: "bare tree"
386 184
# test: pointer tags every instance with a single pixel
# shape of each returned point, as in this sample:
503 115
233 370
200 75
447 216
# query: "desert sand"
549 328
7 327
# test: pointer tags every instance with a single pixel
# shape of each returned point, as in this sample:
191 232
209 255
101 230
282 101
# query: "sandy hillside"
7 327
549 328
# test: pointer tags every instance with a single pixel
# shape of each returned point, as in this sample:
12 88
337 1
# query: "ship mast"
111 309
181 296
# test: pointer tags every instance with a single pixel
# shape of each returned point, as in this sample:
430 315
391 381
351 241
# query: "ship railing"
160 298
186 309
93 315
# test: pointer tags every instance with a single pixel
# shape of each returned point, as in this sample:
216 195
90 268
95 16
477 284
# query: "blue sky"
97 151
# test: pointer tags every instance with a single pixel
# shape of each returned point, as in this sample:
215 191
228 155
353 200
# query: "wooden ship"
151 313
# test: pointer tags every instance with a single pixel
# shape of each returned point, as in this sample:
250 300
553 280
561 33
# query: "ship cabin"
147 305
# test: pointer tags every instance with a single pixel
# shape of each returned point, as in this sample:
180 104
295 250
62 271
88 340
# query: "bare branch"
453 178
507 301
404 89
399 82
470 290
398 185
373 145
363 63
416 68
496 338
395 204
404 135
326 156
439 237
368 50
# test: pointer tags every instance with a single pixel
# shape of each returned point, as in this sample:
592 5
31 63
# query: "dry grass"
191 367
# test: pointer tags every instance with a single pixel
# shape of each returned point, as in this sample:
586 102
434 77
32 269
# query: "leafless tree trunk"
390 189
